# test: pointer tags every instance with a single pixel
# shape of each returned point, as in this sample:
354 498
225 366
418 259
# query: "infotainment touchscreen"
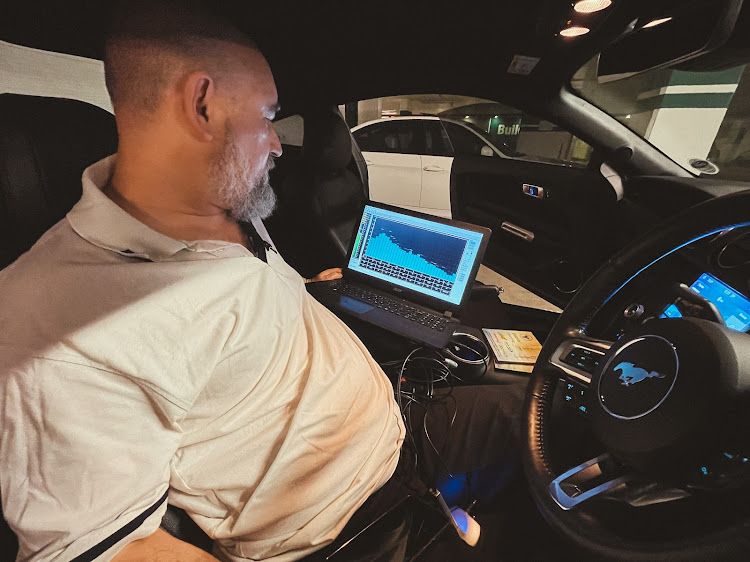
733 306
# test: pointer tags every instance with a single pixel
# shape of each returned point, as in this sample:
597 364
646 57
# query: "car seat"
321 200
45 144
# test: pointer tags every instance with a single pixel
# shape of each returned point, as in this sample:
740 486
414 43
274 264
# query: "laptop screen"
430 257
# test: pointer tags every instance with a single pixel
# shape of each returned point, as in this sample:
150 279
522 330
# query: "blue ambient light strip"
733 306
432 258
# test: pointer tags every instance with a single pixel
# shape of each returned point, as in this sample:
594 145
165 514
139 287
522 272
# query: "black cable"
425 370
401 407
432 444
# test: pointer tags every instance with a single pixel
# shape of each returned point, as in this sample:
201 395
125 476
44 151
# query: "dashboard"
732 306
709 279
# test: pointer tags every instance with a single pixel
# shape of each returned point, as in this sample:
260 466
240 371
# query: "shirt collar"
100 221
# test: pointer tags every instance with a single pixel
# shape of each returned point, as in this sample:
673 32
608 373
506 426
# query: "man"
149 341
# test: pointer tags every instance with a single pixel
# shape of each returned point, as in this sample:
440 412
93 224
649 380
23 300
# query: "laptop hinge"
448 314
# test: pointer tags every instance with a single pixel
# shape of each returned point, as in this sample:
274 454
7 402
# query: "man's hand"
328 275
162 547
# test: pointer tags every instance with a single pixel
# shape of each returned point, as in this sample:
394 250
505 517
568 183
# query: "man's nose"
275 144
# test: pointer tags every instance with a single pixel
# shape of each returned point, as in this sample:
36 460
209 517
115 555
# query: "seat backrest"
320 202
45 144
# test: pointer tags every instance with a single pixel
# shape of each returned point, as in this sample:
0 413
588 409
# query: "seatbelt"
260 246
103 546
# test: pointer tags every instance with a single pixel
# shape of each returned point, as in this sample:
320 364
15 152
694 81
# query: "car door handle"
433 169
368 162
516 230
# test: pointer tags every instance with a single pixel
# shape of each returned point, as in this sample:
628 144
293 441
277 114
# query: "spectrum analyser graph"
422 257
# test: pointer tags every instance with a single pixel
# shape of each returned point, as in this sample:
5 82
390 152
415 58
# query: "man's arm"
162 547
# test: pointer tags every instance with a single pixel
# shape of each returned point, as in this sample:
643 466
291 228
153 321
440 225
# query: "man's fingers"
328 274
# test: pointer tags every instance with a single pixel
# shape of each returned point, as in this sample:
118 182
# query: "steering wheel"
663 406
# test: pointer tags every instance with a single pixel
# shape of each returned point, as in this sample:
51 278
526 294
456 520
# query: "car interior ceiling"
301 40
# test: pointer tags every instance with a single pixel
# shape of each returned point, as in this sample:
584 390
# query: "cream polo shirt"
132 363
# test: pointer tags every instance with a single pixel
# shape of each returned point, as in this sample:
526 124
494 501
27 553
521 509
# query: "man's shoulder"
59 244
39 274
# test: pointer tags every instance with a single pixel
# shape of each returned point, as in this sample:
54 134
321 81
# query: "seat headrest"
45 144
327 145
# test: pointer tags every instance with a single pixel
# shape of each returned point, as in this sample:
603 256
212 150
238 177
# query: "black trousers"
463 441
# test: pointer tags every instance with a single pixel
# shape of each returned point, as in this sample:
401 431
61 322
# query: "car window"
437 142
513 132
290 130
700 119
464 142
397 137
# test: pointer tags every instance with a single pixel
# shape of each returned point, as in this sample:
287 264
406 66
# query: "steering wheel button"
581 359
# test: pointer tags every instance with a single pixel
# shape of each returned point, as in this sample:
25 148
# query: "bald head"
153 45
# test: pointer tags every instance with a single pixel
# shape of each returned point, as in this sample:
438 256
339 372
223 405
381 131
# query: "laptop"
407 272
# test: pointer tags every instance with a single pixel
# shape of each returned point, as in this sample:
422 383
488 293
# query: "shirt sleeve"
84 452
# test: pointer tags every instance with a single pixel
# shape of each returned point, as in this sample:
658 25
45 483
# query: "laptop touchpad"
355 306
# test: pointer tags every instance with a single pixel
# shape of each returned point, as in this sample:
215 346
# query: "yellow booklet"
513 346
515 367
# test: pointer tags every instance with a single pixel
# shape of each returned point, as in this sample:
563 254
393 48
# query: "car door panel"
436 174
394 178
550 244
391 149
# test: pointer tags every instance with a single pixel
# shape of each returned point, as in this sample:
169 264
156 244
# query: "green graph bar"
356 244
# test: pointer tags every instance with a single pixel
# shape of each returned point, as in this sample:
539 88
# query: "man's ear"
199 105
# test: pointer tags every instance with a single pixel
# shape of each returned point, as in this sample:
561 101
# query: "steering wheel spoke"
589 479
578 358
602 477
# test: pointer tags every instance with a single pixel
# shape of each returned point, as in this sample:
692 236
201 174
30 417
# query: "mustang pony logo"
631 374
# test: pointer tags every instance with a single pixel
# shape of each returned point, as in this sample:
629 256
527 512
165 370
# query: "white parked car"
409 159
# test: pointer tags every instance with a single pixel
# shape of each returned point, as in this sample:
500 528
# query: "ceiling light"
654 23
574 31
590 6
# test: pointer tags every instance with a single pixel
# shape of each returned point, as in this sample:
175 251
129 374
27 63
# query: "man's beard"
242 194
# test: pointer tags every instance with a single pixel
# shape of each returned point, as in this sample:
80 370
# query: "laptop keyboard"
434 321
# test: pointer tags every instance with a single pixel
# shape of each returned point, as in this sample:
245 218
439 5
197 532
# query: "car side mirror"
486 151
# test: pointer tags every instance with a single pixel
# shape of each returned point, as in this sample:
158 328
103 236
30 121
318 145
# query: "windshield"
699 119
